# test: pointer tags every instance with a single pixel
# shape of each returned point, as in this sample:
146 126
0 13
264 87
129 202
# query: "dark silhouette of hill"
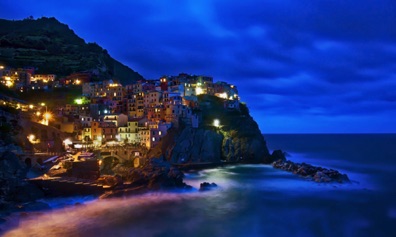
52 47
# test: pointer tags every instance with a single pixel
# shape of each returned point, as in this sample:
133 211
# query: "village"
108 119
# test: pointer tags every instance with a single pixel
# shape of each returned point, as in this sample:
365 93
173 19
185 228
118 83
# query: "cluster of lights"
8 82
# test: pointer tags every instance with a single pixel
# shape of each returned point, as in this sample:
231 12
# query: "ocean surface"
251 200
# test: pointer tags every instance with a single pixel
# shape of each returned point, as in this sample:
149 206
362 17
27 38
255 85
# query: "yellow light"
31 137
223 95
216 123
47 115
38 113
1 67
9 83
198 91
31 106
42 104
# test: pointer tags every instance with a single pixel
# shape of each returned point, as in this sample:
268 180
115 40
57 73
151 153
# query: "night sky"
302 66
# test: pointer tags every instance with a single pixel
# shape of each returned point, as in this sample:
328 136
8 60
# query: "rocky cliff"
237 139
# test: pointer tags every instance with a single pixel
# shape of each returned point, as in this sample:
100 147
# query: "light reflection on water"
252 200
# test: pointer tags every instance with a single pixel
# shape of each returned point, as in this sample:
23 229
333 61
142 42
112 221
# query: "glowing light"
223 95
199 91
78 101
1 67
67 141
216 123
31 137
9 83
31 106
47 115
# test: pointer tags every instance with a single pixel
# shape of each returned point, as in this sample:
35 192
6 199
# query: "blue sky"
302 66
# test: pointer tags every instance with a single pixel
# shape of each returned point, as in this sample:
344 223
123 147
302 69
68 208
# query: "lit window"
153 139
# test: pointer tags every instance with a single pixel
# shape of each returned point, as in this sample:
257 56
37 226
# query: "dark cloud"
296 63
336 19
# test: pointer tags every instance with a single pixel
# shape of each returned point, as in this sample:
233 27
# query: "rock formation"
154 174
315 173
237 139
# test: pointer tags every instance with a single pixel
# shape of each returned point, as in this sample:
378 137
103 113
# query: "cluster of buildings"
107 112
140 113
26 79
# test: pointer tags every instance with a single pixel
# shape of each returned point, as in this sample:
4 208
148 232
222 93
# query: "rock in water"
315 173
156 173
278 155
205 186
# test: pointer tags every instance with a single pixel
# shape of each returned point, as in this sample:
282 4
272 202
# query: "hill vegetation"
52 47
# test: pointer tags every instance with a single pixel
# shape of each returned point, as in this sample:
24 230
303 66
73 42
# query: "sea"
250 200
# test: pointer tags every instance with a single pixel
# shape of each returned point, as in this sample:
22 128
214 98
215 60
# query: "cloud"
303 60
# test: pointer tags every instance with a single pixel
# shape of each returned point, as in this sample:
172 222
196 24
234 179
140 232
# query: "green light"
78 101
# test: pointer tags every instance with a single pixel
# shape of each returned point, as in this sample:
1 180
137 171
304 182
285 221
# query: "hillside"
52 47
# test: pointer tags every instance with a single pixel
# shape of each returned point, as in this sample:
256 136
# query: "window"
153 139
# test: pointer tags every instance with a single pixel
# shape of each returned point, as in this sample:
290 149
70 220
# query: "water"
252 200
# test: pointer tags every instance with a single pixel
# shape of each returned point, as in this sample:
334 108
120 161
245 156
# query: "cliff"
53 48
237 139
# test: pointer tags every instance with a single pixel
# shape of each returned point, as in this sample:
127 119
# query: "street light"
47 115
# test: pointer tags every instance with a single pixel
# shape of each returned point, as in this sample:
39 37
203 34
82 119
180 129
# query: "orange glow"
47 115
